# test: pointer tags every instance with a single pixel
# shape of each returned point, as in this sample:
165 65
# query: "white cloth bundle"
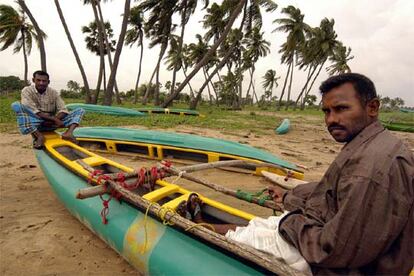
263 235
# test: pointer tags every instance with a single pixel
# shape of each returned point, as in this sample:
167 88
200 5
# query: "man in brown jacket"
359 218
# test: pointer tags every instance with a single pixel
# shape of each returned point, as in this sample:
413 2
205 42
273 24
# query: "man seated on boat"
359 218
42 109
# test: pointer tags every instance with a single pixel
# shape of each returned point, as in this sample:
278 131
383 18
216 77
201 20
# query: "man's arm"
366 223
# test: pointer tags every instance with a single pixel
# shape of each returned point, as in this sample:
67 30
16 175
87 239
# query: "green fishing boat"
152 143
398 126
103 109
140 227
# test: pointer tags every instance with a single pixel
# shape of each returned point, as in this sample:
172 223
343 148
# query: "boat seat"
158 194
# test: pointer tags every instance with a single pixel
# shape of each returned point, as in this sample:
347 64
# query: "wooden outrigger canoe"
175 111
161 145
103 109
145 240
398 126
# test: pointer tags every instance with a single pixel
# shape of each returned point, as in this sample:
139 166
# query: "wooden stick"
268 203
91 191
267 261
286 183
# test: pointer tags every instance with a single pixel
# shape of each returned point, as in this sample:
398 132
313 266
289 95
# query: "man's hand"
276 193
58 122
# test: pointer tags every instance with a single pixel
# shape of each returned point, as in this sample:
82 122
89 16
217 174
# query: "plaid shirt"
49 102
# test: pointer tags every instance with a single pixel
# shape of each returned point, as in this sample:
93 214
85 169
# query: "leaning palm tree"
270 80
136 35
75 53
39 34
159 28
322 45
185 8
93 45
296 28
14 30
256 47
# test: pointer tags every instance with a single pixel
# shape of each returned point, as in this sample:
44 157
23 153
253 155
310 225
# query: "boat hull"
108 110
146 243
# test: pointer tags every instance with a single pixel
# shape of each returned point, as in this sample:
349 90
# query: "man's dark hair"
362 85
40 73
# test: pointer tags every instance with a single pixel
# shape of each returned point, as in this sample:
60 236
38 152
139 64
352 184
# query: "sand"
38 236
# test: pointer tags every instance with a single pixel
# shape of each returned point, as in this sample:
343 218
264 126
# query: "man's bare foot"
70 138
38 140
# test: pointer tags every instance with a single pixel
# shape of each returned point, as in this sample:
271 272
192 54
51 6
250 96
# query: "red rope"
153 174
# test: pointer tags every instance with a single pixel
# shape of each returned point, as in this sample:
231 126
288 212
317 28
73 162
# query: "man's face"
345 116
41 82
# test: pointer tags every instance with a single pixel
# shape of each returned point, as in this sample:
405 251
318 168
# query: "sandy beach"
39 236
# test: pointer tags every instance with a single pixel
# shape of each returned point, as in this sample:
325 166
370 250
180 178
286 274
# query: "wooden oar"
267 261
267 203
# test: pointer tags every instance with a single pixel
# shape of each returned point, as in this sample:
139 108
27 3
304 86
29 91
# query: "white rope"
180 174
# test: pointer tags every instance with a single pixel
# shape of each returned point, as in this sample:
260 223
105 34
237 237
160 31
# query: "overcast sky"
380 33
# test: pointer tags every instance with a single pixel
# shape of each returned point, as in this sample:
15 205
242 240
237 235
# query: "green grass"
251 119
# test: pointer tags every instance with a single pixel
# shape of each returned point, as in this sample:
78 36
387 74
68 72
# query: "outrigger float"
142 225
174 111
107 110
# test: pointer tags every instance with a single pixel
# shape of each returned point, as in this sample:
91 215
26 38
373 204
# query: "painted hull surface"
108 110
166 250
399 127
181 141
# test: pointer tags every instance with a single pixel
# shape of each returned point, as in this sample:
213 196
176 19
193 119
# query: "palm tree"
234 12
296 29
40 35
340 57
256 47
270 80
322 45
93 45
136 35
120 44
75 52
15 30
159 27
186 8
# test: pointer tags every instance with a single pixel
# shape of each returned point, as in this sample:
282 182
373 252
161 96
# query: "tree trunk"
180 46
75 53
26 66
312 70
310 87
208 87
189 85
209 54
139 74
38 32
251 71
284 86
108 47
255 95
157 86
290 87
194 103
148 88
99 82
119 45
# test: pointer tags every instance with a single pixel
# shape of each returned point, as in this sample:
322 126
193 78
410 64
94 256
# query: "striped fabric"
48 101
29 122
